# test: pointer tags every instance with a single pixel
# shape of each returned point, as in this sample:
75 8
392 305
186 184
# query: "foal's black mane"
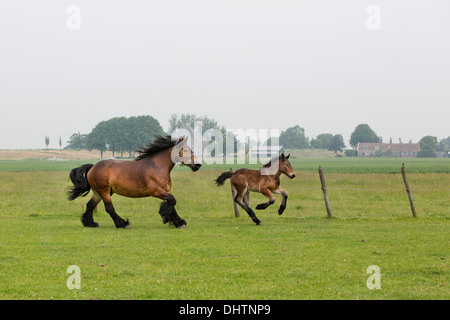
268 164
160 143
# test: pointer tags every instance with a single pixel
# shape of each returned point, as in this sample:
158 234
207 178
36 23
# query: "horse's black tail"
224 176
81 185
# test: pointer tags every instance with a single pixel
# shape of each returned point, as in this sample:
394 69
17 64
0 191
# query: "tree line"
122 135
126 135
119 135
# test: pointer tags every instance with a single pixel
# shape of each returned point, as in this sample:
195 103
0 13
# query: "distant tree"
444 145
76 141
123 134
47 141
322 141
98 138
351 153
60 143
141 131
294 138
363 133
428 146
337 143
188 119
118 134
328 141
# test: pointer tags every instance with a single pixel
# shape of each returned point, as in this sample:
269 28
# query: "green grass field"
299 255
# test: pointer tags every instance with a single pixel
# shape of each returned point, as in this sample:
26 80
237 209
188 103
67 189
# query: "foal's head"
285 166
183 154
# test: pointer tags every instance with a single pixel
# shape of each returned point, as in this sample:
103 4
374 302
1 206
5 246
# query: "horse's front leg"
284 201
169 213
269 195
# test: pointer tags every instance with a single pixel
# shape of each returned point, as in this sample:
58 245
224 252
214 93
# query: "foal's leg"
247 198
284 202
118 221
87 218
268 194
169 213
239 200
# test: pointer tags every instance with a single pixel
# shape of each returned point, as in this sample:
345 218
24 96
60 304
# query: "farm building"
402 150
266 152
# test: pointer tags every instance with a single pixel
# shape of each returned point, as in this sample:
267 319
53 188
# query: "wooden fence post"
236 206
325 194
408 190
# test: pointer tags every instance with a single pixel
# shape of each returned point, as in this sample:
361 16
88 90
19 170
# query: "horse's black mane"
160 143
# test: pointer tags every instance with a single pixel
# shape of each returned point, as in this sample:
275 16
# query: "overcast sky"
248 64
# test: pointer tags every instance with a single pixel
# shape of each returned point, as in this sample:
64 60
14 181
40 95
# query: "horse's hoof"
165 220
125 224
182 227
91 225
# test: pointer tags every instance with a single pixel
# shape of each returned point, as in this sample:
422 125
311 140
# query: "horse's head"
183 154
285 166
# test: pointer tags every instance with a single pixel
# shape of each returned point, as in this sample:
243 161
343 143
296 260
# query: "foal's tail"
224 176
81 185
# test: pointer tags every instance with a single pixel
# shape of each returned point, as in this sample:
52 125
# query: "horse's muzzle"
292 176
195 166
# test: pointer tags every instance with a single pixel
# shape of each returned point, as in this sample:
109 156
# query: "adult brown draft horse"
265 181
148 175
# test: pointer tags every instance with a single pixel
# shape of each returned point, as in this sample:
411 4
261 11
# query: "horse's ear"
182 139
282 157
287 157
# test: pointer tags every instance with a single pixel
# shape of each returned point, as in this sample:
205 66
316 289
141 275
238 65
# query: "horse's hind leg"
240 196
87 218
118 221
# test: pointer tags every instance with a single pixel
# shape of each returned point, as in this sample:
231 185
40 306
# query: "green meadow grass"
298 255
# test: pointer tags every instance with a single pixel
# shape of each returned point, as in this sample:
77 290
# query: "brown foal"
265 181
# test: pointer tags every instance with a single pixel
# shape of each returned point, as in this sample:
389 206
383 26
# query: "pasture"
299 255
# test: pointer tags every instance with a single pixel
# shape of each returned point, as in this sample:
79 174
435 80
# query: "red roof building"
402 150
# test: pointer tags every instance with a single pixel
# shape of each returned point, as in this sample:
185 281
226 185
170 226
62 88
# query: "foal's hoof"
183 226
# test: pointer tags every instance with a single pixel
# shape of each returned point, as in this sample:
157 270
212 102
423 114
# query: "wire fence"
407 189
